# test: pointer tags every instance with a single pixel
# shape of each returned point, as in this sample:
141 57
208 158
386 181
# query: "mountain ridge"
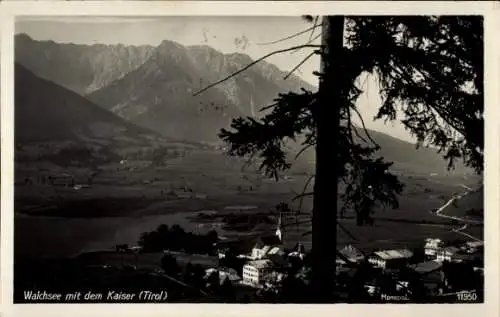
79 67
158 95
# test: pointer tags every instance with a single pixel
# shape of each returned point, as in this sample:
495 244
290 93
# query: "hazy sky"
226 34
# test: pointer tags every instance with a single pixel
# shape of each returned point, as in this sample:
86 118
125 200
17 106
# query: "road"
467 222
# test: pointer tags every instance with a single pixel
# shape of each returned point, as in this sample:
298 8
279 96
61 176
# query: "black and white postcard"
271 157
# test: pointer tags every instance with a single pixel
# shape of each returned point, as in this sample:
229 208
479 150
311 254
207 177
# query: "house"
402 286
352 254
339 265
255 271
473 246
135 248
224 273
299 251
390 258
263 245
446 254
432 246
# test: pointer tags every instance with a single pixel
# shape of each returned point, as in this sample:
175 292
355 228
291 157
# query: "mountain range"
153 87
80 68
124 95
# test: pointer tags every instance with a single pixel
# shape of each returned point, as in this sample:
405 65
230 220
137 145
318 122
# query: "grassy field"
146 260
128 199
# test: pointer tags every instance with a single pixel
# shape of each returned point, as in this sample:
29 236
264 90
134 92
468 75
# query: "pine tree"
430 69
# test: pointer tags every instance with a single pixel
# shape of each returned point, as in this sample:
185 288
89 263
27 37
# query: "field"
145 260
128 199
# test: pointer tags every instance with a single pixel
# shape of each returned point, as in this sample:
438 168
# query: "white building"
263 246
255 271
446 254
432 246
339 264
259 252
389 258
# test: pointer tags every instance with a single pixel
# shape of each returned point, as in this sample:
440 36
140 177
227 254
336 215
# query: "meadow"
128 199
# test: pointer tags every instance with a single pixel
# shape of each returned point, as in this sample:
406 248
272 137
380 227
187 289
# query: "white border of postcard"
9 10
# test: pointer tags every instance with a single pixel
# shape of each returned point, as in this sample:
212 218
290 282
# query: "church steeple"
279 229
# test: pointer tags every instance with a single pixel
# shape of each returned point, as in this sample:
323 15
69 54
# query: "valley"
121 204
103 157
108 155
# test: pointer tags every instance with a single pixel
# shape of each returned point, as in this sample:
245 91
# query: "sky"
249 35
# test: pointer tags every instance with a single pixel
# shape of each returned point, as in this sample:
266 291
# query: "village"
264 270
273 266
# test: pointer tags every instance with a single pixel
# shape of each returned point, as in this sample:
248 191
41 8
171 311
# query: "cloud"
87 19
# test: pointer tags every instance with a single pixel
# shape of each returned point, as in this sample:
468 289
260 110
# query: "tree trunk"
326 116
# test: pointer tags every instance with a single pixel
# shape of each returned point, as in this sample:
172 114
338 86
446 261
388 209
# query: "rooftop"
451 249
276 250
260 264
426 267
394 254
474 244
351 252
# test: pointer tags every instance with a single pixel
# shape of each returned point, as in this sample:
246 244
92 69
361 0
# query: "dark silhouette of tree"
176 239
212 237
169 265
194 275
213 282
429 69
227 290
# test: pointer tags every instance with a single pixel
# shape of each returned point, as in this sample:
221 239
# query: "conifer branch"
253 63
290 37
300 64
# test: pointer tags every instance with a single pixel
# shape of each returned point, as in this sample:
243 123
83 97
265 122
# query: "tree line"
175 238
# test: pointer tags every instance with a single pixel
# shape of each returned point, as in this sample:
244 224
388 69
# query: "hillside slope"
407 157
49 115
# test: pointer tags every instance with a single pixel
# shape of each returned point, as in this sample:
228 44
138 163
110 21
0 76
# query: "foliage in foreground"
430 69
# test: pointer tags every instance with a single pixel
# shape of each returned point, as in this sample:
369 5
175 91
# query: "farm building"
432 246
264 245
446 254
352 254
390 258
